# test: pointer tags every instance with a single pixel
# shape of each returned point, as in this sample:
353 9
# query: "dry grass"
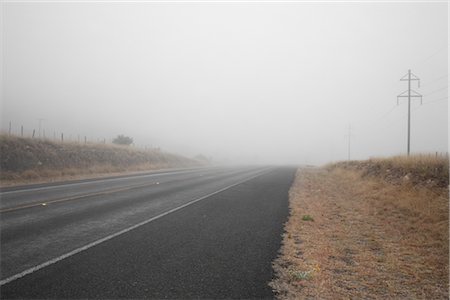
370 238
423 170
24 160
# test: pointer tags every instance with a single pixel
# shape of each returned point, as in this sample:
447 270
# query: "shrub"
123 140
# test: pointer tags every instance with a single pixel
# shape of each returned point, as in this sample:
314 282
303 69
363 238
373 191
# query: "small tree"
123 140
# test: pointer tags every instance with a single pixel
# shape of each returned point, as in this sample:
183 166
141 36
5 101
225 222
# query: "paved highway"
189 233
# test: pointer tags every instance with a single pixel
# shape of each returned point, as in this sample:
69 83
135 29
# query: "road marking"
97 242
76 197
46 202
96 181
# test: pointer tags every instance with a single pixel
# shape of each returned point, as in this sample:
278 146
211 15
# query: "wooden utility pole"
40 124
349 136
409 94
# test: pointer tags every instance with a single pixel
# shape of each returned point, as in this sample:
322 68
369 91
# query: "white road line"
90 245
95 181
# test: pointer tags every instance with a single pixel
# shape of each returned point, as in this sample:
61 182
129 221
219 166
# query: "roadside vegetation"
26 160
367 229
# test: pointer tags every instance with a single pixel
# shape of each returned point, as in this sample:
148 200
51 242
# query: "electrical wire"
435 80
435 91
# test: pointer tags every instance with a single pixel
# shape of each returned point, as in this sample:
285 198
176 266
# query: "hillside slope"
29 160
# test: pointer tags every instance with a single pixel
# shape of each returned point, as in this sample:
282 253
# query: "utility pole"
40 121
349 135
409 94
349 139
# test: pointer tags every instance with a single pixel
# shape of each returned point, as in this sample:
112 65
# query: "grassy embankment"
369 229
25 160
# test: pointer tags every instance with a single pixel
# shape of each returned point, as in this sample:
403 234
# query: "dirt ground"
351 236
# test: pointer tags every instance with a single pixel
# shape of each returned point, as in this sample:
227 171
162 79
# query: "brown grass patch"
370 238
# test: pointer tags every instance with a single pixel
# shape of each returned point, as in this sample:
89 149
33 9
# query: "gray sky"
241 82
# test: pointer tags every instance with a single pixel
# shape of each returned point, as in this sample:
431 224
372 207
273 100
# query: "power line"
433 55
435 91
388 113
400 118
435 80
391 110
434 101
370 122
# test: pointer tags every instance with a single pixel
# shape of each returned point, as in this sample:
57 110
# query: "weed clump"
307 218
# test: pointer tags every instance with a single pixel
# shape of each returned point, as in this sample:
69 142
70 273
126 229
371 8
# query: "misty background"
239 82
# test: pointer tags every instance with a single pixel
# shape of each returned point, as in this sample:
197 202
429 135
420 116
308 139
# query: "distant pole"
62 137
34 131
349 136
9 130
40 123
21 131
409 94
349 140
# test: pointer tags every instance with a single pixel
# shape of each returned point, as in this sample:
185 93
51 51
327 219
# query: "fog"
251 82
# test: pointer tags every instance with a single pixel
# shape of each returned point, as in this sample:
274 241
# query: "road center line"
46 202
90 181
97 242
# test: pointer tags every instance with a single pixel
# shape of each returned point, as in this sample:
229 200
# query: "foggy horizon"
259 83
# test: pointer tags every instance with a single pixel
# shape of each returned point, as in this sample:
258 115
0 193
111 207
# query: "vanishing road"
189 233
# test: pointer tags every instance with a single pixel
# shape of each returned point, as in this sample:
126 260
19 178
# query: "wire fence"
62 137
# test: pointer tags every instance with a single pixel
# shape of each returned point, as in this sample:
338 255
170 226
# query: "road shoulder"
350 236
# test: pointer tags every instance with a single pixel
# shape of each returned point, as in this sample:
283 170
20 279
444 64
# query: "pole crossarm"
408 78
410 94
413 94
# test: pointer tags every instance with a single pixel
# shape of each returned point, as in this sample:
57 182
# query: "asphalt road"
194 233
